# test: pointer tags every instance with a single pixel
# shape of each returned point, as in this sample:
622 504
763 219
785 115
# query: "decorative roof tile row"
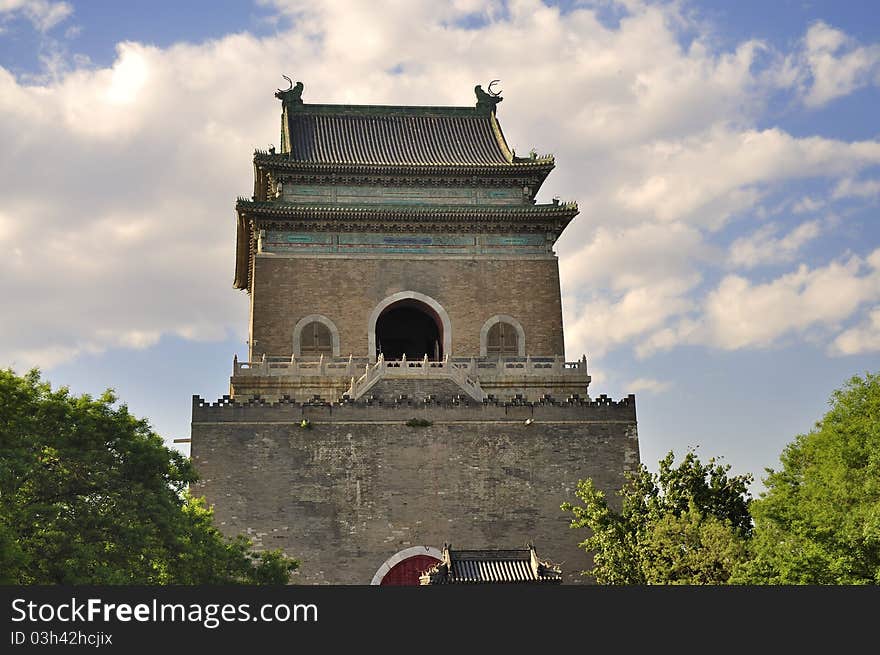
452 212
395 139
519 165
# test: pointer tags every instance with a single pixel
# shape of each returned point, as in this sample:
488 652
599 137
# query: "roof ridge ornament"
292 95
487 100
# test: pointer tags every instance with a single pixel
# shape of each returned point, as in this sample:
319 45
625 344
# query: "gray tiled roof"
394 137
492 567
517 570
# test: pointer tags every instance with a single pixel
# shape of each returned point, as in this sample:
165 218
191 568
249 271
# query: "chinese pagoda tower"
406 384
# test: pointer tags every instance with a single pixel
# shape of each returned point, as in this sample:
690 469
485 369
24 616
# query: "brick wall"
347 290
360 485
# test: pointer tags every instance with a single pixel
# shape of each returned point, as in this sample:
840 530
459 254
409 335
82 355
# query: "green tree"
89 494
683 525
818 522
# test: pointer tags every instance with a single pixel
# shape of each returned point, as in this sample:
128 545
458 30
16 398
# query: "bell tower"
406 383
386 234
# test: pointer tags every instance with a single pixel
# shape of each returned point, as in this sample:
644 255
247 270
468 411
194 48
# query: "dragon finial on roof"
487 99
292 94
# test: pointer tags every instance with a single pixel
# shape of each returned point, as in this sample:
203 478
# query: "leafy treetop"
89 494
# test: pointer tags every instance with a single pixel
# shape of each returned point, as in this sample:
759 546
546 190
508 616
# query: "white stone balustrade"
295 367
475 368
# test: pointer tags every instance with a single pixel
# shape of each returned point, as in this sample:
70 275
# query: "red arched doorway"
404 567
407 572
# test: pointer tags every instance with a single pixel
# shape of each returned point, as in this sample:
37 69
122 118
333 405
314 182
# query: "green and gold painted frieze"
393 195
283 242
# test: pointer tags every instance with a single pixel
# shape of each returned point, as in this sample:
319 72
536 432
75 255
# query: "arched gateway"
410 329
404 567
409 323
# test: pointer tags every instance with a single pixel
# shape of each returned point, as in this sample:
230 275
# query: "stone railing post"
264 365
425 364
321 364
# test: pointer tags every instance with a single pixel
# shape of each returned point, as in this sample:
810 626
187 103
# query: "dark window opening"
409 328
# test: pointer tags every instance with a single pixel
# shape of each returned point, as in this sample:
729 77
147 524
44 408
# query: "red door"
407 572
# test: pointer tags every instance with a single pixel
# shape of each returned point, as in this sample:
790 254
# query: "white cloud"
42 14
668 337
741 314
628 281
648 385
837 64
598 376
24 359
8 228
863 338
633 256
849 188
709 177
119 181
807 204
599 324
764 247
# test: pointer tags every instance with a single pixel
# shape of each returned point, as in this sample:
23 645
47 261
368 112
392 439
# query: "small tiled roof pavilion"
520 566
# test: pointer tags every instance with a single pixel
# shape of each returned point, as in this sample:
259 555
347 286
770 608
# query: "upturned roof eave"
282 161
277 208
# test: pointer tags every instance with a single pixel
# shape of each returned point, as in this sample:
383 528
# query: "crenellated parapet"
574 408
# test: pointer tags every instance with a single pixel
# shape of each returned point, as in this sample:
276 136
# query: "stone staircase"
415 378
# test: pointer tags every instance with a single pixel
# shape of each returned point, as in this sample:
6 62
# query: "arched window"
315 335
315 339
502 340
502 336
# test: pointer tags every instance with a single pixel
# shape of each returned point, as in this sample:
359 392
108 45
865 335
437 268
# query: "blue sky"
725 265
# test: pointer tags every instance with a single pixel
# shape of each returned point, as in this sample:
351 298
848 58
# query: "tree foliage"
89 494
683 525
818 522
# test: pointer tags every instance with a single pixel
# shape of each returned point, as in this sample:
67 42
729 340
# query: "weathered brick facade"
347 290
361 485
